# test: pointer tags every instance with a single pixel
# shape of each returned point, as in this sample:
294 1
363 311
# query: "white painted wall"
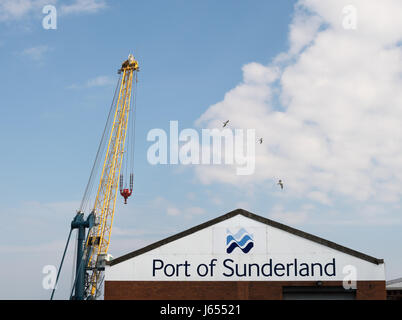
269 243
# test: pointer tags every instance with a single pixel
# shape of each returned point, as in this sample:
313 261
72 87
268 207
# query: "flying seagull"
280 183
260 140
225 123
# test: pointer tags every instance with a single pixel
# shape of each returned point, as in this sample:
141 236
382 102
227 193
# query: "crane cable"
74 261
133 118
61 264
128 160
89 187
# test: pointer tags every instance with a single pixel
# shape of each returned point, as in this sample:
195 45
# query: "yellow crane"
99 235
92 250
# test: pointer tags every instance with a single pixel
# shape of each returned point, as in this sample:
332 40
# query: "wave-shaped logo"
242 240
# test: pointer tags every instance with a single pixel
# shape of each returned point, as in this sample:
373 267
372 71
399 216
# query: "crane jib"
91 260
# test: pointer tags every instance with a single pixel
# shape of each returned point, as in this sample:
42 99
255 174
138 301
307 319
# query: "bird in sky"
225 123
260 140
280 183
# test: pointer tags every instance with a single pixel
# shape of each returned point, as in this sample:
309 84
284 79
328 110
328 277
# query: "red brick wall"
371 290
224 290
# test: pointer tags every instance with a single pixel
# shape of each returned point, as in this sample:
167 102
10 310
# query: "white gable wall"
202 256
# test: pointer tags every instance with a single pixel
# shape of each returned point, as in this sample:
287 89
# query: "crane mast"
99 235
92 249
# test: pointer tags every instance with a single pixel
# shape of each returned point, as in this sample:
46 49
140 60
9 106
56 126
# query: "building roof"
255 217
395 284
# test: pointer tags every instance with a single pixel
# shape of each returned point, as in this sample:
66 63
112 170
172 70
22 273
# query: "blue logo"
242 240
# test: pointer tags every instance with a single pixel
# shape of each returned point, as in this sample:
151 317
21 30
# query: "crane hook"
125 192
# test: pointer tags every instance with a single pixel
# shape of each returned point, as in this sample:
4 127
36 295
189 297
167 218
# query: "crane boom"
98 239
92 249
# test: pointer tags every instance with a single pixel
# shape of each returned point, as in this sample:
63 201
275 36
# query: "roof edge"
393 281
255 217
313 238
175 237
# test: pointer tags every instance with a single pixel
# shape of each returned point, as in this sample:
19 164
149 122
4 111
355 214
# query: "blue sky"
57 86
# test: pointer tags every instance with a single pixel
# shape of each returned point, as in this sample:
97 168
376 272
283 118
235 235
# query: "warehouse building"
394 289
241 255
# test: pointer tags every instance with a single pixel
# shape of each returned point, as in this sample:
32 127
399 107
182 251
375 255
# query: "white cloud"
36 53
191 196
16 10
257 73
173 211
338 129
187 212
19 9
100 81
216 201
288 217
303 30
194 211
319 197
83 6
132 232
30 248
